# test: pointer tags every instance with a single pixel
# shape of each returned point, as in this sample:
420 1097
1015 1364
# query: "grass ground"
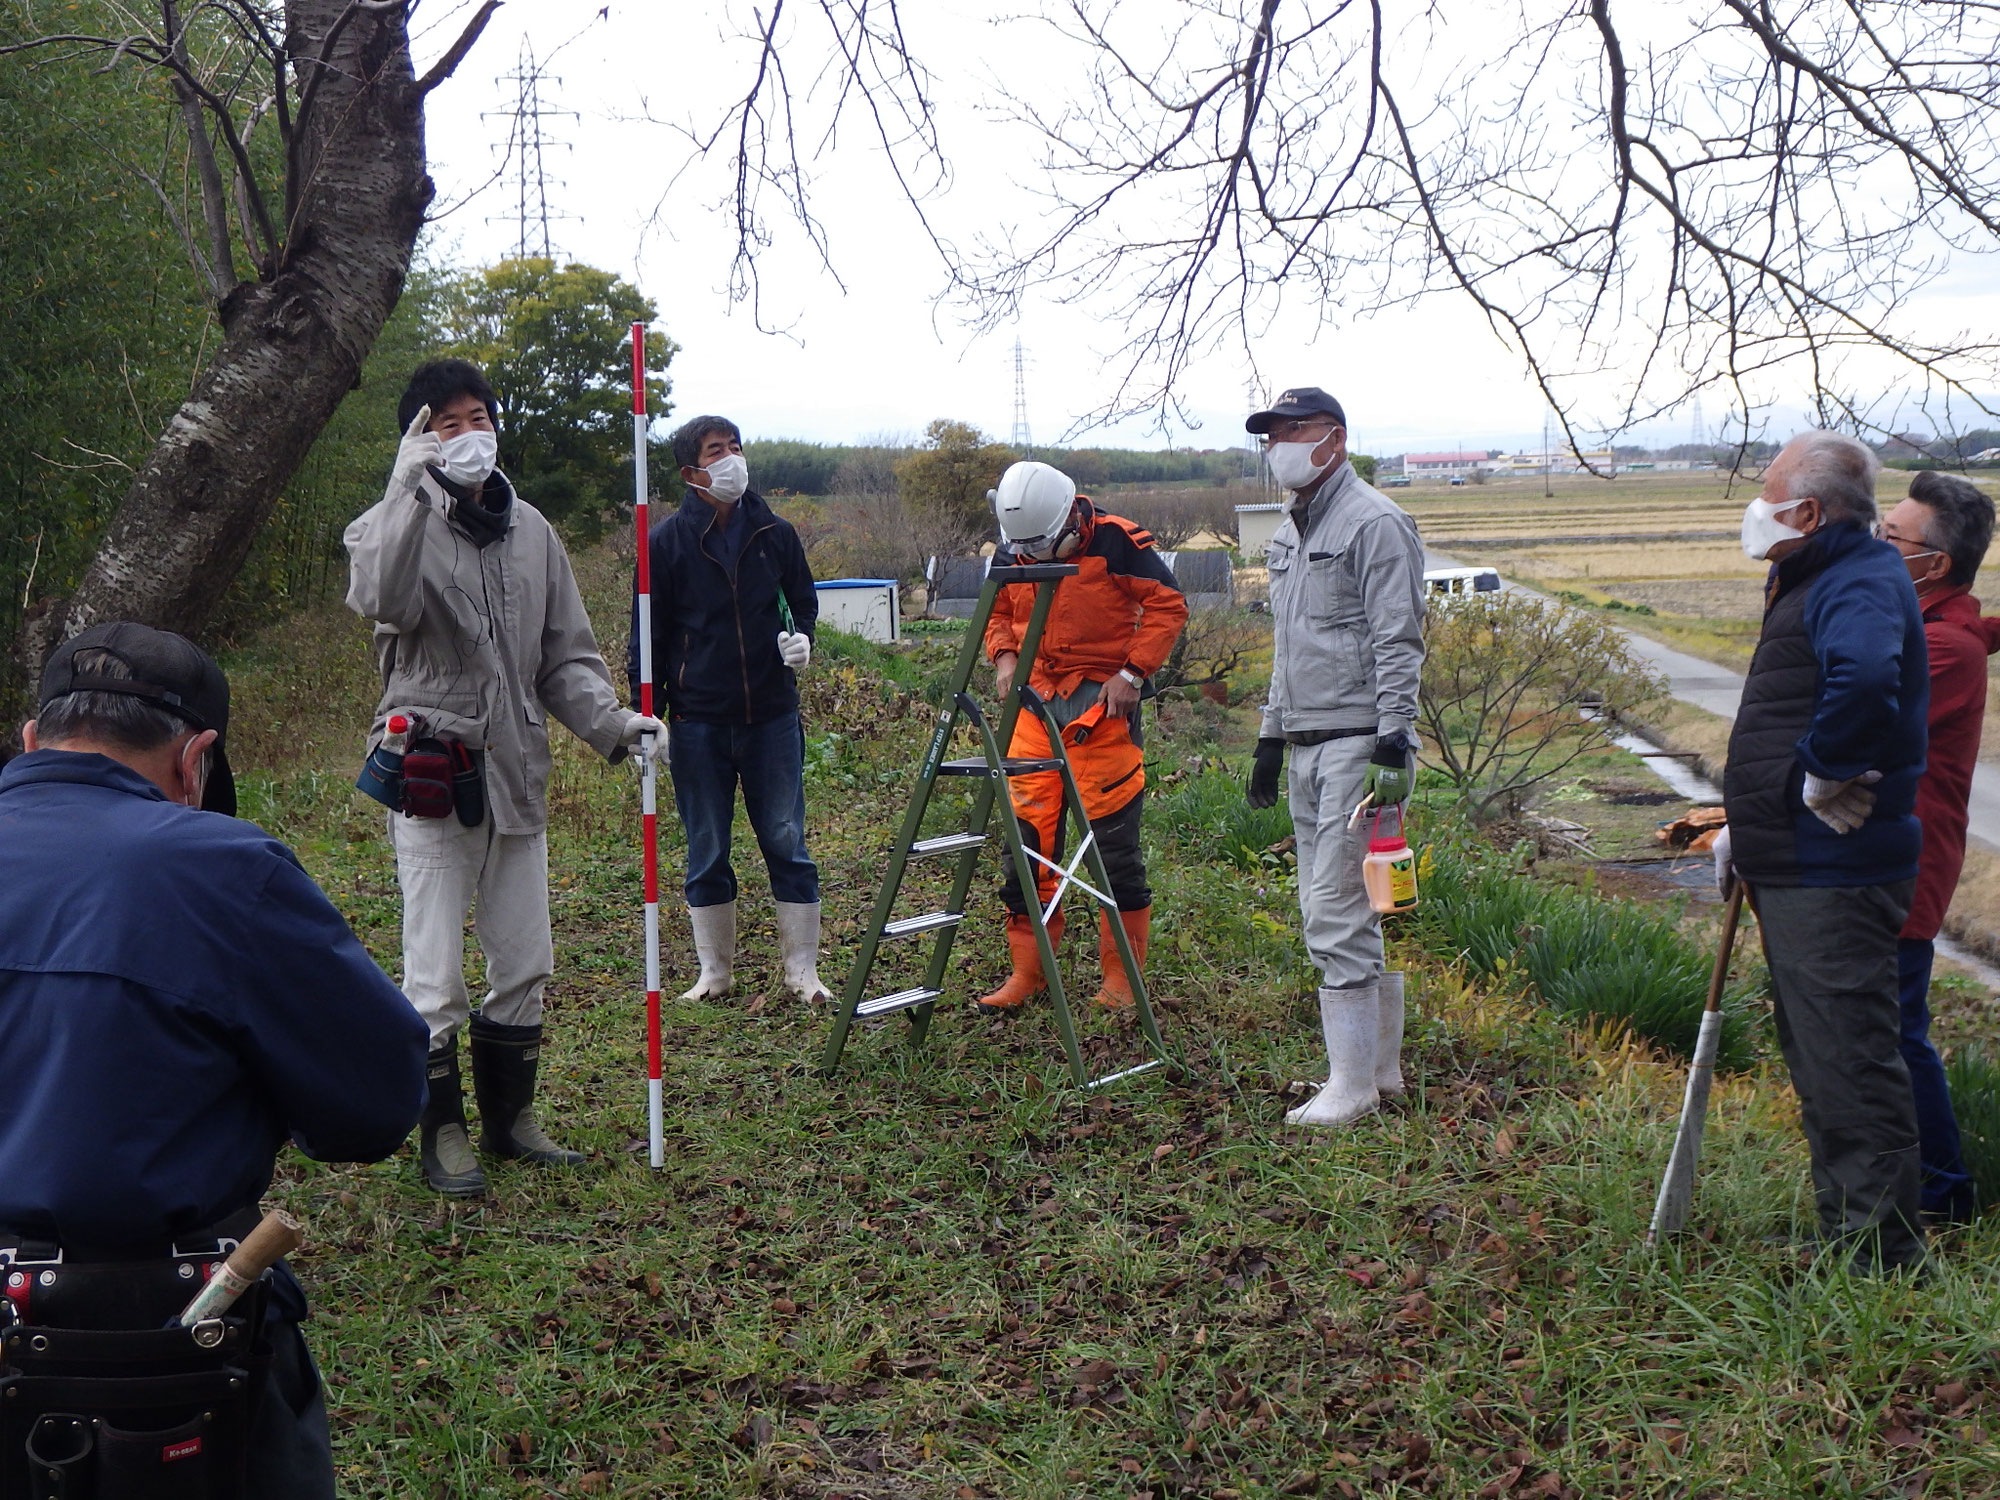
945 1275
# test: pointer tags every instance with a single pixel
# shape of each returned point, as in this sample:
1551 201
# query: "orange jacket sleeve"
1137 567
1009 619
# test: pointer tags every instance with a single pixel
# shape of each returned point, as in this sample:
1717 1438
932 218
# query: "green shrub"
1205 817
1586 957
922 667
1975 1098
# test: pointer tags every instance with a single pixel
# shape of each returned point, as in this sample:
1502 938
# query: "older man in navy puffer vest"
1824 761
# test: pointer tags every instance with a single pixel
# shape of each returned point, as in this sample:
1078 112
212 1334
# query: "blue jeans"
707 762
1947 1186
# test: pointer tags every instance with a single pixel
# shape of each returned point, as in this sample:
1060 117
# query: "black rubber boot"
504 1063
450 1166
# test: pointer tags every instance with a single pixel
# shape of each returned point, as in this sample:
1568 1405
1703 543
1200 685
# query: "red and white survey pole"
649 834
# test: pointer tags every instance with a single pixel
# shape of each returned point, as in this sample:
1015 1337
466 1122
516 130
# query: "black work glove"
1264 768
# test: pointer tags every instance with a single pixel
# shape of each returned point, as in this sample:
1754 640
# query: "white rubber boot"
1389 1036
798 948
1350 1022
715 945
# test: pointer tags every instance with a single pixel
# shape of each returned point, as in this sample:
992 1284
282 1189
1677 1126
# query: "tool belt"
434 778
103 1396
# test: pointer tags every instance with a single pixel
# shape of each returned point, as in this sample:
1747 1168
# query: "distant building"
1255 526
1443 464
1563 461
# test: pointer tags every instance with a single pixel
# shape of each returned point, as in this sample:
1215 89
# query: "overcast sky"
868 350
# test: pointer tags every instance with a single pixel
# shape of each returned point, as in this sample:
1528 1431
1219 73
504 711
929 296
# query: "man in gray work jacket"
1347 603
480 634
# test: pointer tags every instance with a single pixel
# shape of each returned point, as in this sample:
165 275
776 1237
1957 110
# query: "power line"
528 141
1022 440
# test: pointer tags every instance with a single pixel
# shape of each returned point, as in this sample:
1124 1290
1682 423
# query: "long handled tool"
649 831
1677 1187
276 1236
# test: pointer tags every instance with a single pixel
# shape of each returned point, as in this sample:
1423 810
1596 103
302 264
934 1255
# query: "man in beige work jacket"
481 636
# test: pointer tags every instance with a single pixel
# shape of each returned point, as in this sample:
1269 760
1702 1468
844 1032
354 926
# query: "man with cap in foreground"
176 999
481 636
1110 628
1347 607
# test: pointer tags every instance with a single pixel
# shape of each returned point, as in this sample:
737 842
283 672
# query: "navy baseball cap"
1300 401
169 671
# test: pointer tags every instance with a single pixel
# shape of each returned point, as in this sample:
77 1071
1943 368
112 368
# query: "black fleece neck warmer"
484 512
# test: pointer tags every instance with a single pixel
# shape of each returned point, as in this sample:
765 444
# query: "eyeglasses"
1881 532
1291 429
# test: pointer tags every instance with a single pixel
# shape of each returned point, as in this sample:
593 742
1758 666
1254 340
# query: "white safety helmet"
1036 507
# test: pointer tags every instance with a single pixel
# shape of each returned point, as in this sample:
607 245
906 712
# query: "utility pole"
1023 440
527 141
1548 489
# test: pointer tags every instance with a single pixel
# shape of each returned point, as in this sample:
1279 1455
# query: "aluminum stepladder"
991 767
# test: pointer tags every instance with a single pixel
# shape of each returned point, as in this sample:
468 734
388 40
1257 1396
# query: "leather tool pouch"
428 773
103 1397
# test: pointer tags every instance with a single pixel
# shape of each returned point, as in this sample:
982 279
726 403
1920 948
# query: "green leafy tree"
950 474
105 319
792 466
555 341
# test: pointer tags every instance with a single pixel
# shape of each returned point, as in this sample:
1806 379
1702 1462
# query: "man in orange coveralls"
1110 628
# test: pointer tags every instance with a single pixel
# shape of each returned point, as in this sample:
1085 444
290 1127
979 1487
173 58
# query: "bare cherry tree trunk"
294 338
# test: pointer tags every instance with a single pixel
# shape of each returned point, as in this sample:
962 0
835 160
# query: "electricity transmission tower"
1022 439
525 170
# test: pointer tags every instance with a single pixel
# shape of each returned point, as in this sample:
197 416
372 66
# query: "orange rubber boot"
1026 980
1117 991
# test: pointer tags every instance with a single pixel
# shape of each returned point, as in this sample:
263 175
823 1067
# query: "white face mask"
728 478
468 457
1292 463
1762 530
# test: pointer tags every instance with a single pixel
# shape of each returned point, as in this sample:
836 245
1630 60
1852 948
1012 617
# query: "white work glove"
795 649
419 451
1842 805
641 733
1725 872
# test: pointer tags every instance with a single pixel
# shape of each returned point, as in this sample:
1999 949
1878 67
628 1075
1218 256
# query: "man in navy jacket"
733 614
177 998
1824 760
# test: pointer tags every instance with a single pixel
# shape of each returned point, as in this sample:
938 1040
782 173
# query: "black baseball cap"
1300 401
169 671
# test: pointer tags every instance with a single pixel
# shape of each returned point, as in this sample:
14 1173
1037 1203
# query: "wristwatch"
1132 677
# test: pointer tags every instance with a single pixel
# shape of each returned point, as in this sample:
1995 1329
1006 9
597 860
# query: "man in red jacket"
1942 530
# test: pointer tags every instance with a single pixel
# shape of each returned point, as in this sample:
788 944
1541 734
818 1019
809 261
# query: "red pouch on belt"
428 769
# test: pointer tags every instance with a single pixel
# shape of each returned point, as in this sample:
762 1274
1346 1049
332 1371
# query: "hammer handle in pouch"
276 1237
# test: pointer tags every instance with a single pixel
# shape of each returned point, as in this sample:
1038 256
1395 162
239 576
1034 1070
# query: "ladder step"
1145 1067
929 922
946 843
889 1004
975 765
